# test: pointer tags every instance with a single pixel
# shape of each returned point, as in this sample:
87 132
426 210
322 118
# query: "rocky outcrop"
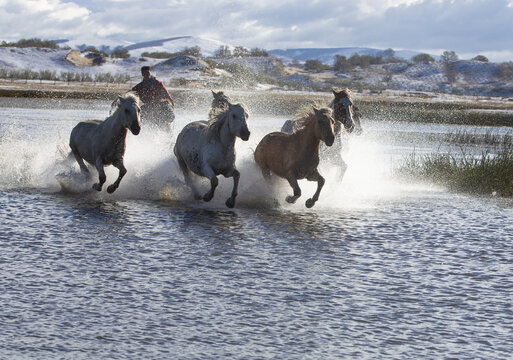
78 58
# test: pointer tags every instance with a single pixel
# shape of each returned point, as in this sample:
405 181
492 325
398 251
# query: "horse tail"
63 153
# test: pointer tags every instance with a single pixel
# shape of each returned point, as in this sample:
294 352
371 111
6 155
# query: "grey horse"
103 143
208 148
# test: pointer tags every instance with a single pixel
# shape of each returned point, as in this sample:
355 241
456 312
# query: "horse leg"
297 191
343 168
80 161
122 171
101 175
209 173
187 177
236 176
315 176
266 173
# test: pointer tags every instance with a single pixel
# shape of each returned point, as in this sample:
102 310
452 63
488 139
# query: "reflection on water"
378 269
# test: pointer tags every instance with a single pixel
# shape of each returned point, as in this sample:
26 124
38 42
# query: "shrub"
34 42
423 58
314 65
481 58
448 57
223 52
157 55
505 70
94 50
120 54
341 64
257 52
240 51
190 51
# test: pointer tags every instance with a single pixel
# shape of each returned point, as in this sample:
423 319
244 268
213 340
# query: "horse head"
343 108
129 112
324 125
237 121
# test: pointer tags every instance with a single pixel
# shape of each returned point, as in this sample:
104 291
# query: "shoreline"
389 104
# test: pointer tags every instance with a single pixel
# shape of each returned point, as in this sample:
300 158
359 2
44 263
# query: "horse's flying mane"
128 96
218 116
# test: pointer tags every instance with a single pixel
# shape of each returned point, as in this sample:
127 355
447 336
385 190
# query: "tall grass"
490 173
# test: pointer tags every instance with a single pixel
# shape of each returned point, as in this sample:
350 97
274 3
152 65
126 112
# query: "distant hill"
176 44
464 76
209 47
327 55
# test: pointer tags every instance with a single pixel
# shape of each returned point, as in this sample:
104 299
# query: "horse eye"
127 111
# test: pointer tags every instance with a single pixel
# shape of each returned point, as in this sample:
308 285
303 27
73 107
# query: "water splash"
32 159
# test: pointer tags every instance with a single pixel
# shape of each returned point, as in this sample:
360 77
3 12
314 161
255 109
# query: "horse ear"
315 109
334 92
213 93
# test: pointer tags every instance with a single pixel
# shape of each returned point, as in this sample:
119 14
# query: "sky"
468 27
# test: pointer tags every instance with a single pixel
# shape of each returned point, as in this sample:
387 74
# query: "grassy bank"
474 113
489 174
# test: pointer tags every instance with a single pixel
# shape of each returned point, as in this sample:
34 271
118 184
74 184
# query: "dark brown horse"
296 156
345 114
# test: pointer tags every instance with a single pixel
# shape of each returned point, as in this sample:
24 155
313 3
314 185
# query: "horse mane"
115 106
220 100
304 114
218 116
128 96
344 92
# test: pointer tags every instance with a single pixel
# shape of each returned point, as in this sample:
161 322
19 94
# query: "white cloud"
464 26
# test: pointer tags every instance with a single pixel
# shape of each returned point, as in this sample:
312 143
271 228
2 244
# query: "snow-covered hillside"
176 44
468 77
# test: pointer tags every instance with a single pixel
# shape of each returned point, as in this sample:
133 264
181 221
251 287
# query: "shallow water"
377 269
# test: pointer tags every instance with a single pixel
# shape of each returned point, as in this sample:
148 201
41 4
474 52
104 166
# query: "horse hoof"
230 203
197 197
309 203
207 197
97 187
290 199
111 189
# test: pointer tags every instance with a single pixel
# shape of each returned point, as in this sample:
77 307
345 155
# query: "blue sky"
468 27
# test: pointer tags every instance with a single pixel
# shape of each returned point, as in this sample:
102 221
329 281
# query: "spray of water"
30 159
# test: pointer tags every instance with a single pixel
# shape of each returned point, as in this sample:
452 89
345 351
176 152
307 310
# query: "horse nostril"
136 129
245 135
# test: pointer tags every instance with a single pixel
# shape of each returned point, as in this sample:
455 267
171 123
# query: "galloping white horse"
102 143
208 148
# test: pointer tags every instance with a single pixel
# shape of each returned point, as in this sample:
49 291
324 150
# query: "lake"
378 268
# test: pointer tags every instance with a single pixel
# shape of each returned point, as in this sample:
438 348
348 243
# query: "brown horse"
345 114
296 156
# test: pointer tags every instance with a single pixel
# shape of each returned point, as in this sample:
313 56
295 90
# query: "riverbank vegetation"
491 173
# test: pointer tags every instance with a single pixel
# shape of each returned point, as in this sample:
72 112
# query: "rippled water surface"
377 269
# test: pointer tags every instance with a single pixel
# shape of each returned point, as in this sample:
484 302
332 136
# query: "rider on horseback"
158 105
